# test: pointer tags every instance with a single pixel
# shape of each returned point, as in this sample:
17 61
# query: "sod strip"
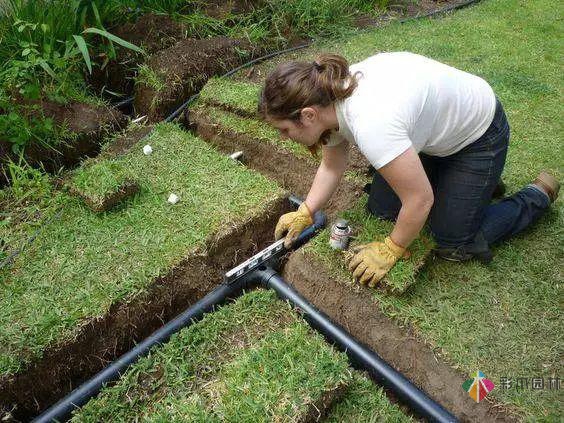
238 97
367 228
364 402
103 184
75 270
252 359
503 319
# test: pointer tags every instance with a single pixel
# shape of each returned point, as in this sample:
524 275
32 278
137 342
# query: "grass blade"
84 50
113 38
47 68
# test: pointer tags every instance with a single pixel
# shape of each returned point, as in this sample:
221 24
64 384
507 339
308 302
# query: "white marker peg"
173 199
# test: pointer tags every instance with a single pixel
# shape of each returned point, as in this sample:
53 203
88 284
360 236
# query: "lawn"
83 262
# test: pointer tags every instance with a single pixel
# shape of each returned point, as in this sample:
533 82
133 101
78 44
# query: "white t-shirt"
404 99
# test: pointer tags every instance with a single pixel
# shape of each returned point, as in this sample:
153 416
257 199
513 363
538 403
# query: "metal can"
340 235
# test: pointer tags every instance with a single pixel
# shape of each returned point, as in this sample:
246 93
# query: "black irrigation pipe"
360 356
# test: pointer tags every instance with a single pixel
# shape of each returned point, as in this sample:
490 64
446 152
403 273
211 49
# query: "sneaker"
548 184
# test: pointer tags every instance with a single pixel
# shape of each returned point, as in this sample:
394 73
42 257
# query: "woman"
437 137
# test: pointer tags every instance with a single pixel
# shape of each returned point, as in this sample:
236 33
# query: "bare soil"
99 341
86 124
184 69
401 347
221 9
152 33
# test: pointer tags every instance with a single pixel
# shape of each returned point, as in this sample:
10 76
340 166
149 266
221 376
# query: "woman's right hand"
293 223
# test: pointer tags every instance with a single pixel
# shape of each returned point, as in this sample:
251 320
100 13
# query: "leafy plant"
47 39
25 181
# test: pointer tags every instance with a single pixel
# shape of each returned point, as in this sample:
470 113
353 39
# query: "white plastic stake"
173 199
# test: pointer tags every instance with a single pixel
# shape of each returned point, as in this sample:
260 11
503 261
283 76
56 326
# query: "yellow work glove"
293 223
370 262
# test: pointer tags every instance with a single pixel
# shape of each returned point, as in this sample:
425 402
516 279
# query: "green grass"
504 319
100 179
238 97
253 360
365 402
401 276
84 262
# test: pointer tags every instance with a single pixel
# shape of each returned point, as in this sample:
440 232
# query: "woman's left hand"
369 263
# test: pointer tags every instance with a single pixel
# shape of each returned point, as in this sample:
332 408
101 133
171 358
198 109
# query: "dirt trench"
401 347
101 340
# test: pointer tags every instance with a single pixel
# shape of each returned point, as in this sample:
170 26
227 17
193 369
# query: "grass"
253 360
99 180
504 319
401 276
365 402
84 262
236 96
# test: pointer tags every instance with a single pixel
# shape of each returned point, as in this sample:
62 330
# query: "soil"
402 348
99 341
152 33
125 142
291 172
87 125
220 9
185 68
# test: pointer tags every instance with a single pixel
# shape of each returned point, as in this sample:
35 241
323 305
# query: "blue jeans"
462 215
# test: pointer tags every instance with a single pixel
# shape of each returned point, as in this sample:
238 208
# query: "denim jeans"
462 214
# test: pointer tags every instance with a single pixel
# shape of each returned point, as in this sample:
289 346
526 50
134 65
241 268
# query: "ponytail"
295 85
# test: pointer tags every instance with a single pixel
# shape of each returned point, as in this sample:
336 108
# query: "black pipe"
360 356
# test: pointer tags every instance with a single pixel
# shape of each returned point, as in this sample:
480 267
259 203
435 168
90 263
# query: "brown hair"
295 85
